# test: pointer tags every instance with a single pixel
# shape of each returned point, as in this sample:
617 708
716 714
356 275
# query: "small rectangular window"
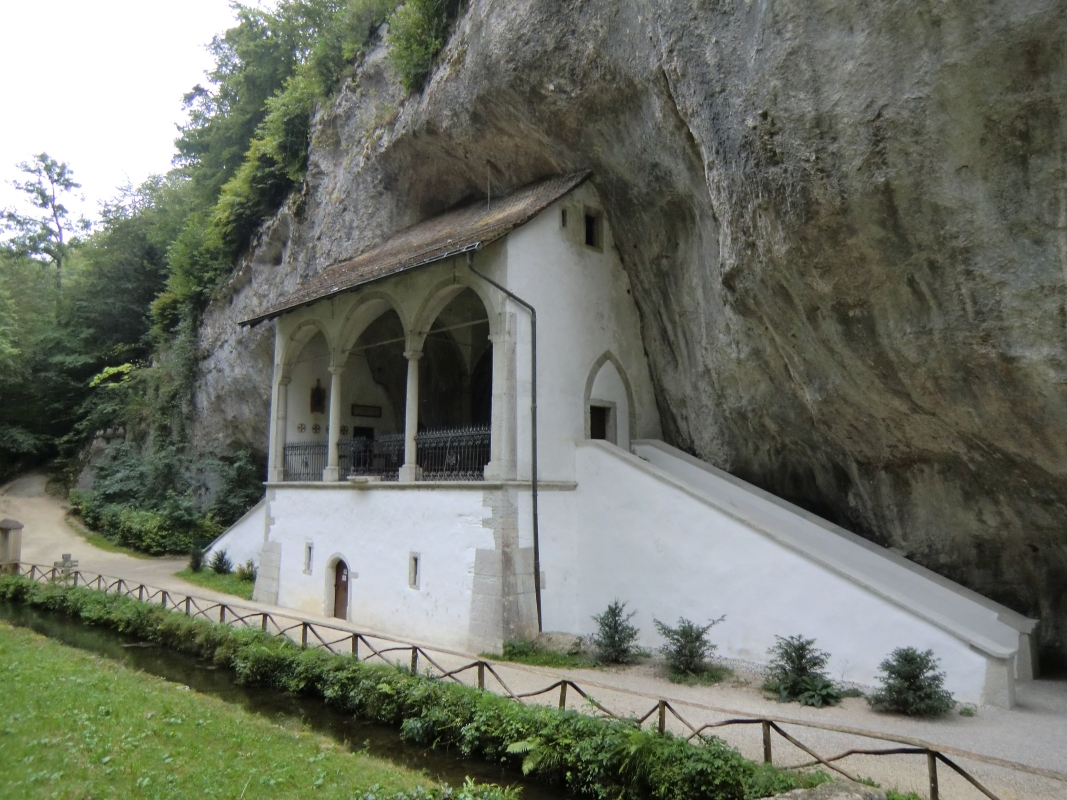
563 218
309 550
414 566
592 230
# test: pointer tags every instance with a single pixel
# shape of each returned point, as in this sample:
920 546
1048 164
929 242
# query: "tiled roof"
454 232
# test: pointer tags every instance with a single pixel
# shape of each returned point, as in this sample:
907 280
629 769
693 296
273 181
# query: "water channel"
355 734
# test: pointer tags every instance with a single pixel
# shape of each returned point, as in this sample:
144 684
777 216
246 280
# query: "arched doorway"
608 403
455 392
371 439
307 417
340 590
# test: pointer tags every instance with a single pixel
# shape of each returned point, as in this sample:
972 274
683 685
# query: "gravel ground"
1033 733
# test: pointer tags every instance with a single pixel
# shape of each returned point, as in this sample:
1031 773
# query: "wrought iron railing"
305 461
458 454
381 457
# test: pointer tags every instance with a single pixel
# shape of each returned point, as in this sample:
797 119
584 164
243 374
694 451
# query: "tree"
47 235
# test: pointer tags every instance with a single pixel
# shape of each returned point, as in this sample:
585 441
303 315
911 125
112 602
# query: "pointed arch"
294 341
440 295
608 357
368 308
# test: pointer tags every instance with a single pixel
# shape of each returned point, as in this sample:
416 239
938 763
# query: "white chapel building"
416 488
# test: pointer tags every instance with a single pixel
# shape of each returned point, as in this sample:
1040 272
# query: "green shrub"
615 636
196 559
418 31
220 563
687 648
588 756
912 685
247 571
796 672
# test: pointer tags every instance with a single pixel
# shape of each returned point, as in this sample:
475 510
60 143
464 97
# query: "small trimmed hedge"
591 757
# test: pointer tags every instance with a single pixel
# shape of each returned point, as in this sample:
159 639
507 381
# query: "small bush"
796 672
615 636
687 647
247 571
220 563
417 32
196 559
912 685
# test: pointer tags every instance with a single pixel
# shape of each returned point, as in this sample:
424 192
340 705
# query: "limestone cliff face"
845 222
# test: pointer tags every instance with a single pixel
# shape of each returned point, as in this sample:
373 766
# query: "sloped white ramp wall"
244 539
674 537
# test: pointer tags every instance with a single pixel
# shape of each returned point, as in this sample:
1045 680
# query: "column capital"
412 355
337 370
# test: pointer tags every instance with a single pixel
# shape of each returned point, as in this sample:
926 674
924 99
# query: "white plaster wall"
312 363
375 531
584 308
244 539
891 574
358 386
625 533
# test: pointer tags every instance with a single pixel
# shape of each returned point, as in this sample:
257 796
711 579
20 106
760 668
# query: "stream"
355 734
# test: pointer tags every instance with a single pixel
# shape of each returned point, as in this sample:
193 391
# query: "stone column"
333 431
502 454
279 411
409 472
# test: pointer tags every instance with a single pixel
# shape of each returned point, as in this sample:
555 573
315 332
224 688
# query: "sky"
99 85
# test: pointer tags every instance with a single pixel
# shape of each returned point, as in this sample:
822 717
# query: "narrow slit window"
592 230
414 569
309 550
563 218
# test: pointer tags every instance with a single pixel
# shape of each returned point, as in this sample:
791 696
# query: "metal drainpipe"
533 426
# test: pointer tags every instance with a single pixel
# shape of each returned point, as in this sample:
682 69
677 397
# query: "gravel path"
1033 733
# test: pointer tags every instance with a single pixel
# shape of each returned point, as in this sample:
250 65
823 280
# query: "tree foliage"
47 233
98 329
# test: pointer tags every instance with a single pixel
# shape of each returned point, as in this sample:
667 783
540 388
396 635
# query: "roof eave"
472 247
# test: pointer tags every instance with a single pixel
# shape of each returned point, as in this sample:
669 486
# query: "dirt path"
1033 733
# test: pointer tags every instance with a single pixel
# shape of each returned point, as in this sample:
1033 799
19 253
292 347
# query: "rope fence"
395 652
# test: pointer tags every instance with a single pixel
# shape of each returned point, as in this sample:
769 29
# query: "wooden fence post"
222 613
766 742
188 602
662 716
931 764
414 660
304 635
481 675
355 646
75 579
563 696
263 626
140 592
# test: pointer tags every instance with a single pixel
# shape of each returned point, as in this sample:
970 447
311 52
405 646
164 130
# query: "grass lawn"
209 579
73 725
98 540
530 653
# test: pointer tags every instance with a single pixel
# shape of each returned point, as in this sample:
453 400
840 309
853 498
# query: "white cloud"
99 85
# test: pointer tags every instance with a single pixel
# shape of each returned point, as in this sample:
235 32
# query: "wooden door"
340 590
